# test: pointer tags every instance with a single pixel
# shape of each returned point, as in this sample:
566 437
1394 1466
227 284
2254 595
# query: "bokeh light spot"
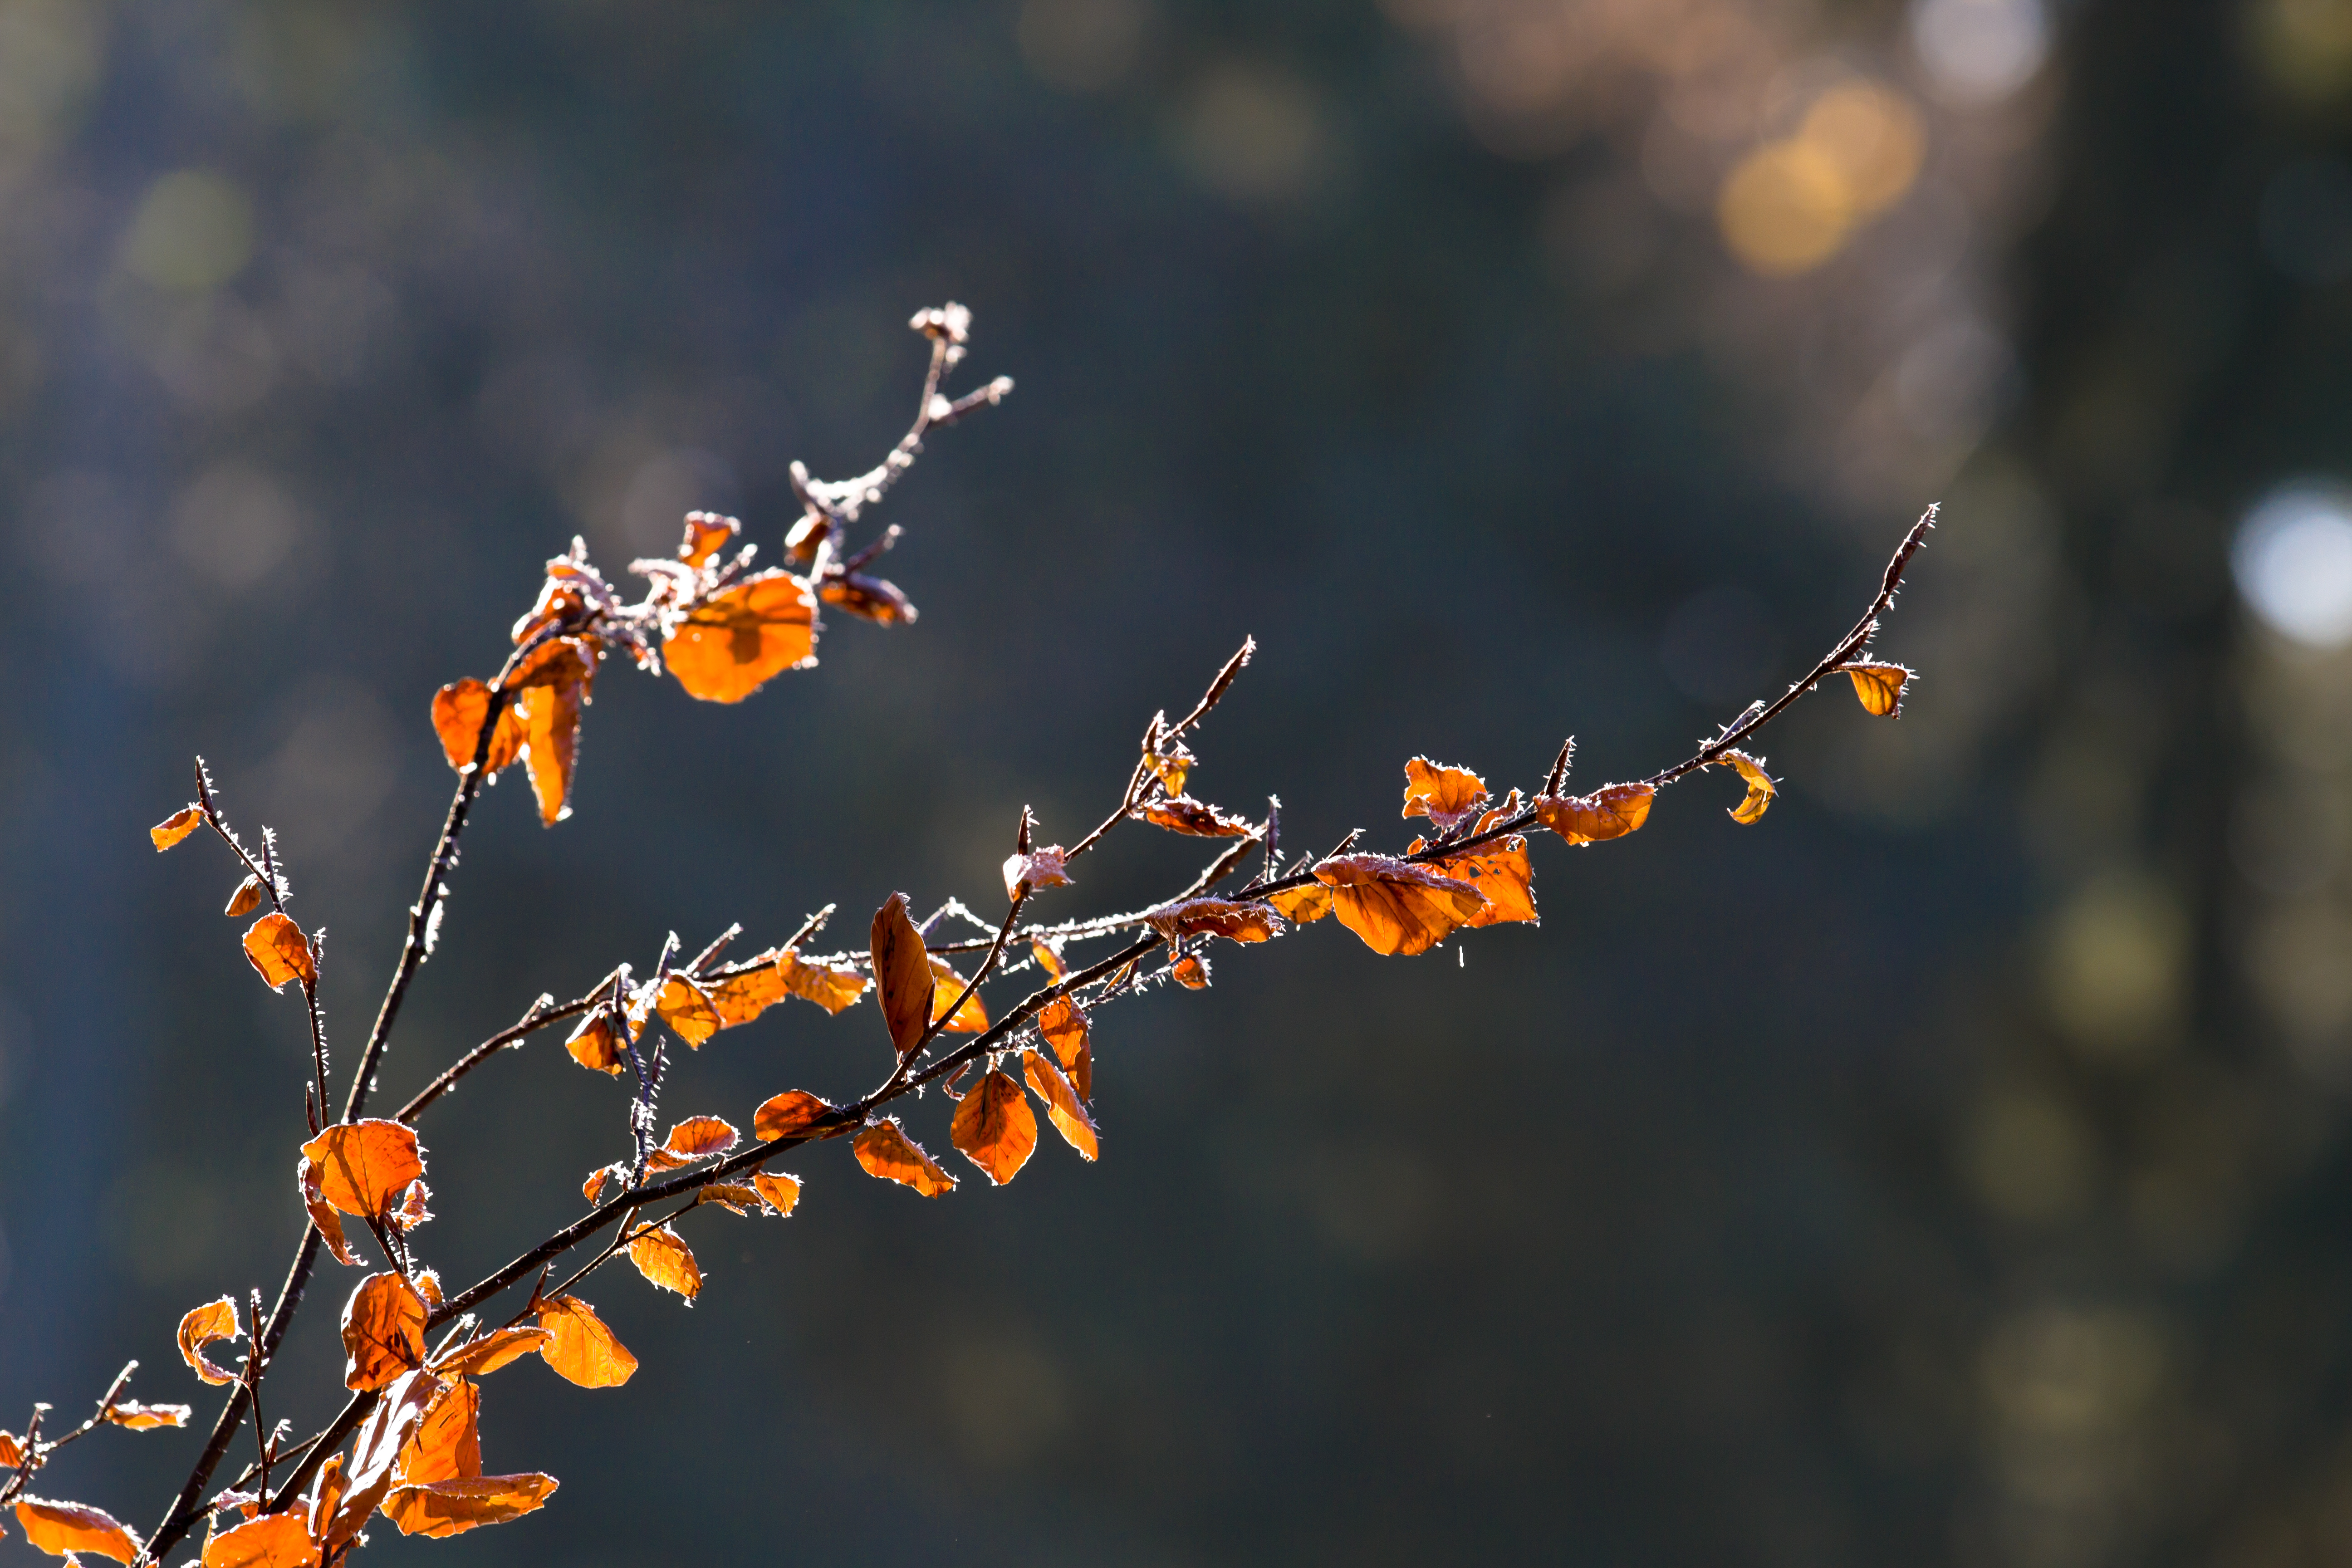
192 231
1784 208
2292 560
1980 51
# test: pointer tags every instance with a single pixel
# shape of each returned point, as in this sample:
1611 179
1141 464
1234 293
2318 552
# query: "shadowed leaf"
785 1114
902 973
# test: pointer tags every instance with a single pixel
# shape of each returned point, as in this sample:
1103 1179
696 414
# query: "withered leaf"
706 533
739 998
1760 788
727 649
270 1540
593 1187
246 899
664 1259
381 1438
1191 972
279 951
326 1493
1182 814
1499 870
733 1196
12 1450
441 1508
458 711
208 1324
1880 687
830 988
57 1528
1302 906
1397 908
596 1043
902 973
688 1012
1048 954
1171 764
364 1167
448 1442
428 1285
1446 796
699 1137
580 1347
141 1417
994 1127
888 1153
787 1114
1045 867
1217 917
1063 1107
383 1332
1063 1025
480 1358
778 1191
176 826
548 693
971 1017
308 1177
876 599
1594 818
412 1211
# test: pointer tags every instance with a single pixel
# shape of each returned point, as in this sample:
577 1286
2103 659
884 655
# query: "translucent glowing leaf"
886 1152
480 1358
57 1528
1217 917
176 826
548 694
270 1540
778 1191
1760 788
664 1258
1594 818
1063 1107
377 1449
308 1177
728 647
733 1196
451 1508
593 1187
902 973
319 1504
383 1332
787 1114
141 1417
971 1017
1191 972
596 1043
1172 765
1397 908
1302 906
994 1127
876 599
412 1211
458 710
208 1324
448 1442
279 951
1446 796
687 1012
1181 813
1501 872
580 1347
364 1167
830 988
1880 687
706 533
1063 1025
1048 954
12 1450
246 899
428 1285
699 1137
739 998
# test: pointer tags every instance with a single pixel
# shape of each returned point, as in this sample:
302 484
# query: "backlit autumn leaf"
364 1167
830 988
1063 1025
727 649
548 693
320 1502
1880 687
382 1438
1499 870
596 1043
876 599
451 1508
1181 813
593 1187
1191 972
141 1417
412 1212
733 1196
687 1012
1048 955
580 1347
383 1332
208 1324
1446 796
448 1442
1760 788
279 951
270 1540
739 998
458 711
1594 818
994 1127
1043 868
480 1357
1302 906
706 533
12 1450
778 1191
57 1528
1063 1107
787 1114
1172 765
886 1152
902 973
1397 908
428 1285
176 826
308 1177
971 1017
1216 916
699 1137
664 1259
246 899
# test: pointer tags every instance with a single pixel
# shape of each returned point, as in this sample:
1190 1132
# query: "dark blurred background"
1947 1168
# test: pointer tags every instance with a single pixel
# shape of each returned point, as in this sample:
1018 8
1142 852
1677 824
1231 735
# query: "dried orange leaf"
1173 765
739 998
208 1324
246 899
664 1258
778 1191
733 1196
1216 916
1063 1025
876 599
699 1137
1182 814
412 1211
787 1114
141 1417
889 1153
458 711
1397 908
381 1438
1063 1107
448 1442
479 1358
994 1127
383 1332
1045 867
728 647
580 1347
279 951
971 1017
706 533
428 1285
1760 788
12 1450
176 826
451 1508
1446 796
320 1502
1302 906
57 1528
593 1187
1048 955
1594 818
902 973
365 1167
270 1540
830 988
307 1176
688 1012
596 1043
1191 972
1880 687
1500 871
548 693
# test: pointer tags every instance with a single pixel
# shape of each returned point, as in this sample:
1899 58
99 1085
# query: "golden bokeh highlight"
1790 204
